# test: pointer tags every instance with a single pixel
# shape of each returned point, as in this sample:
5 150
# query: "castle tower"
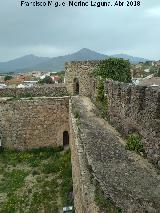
78 78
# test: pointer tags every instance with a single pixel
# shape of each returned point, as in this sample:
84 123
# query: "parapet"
136 108
46 90
101 163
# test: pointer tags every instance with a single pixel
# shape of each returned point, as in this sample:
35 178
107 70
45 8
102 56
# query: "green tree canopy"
46 80
114 68
8 77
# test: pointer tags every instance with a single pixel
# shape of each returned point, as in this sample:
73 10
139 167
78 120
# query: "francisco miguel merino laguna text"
79 3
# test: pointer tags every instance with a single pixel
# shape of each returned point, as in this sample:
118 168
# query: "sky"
50 31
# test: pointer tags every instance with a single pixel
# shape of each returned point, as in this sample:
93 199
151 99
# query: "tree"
8 77
46 80
153 70
114 68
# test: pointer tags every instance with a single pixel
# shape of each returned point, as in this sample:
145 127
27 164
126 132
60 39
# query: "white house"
27 84
2 86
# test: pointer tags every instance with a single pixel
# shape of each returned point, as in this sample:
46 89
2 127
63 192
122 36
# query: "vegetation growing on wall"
77 114
134 143
153 70
116 69
112 68
101 99
35 181
24 95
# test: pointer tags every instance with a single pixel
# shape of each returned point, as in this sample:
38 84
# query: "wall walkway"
99 155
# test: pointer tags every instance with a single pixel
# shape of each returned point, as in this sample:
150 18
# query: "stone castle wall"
46 90
100 161
33 123
83 188
136 109
80 70
97 152
131 108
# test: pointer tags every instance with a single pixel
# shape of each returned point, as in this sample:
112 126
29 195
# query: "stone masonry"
83 188
131 108
33 123
80 70
99 155
136 109
52 90
98 152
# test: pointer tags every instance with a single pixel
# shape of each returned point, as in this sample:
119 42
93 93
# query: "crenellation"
44 90
136 108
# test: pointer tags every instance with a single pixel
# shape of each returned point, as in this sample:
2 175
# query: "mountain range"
34 63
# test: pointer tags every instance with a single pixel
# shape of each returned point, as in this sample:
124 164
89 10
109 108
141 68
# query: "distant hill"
32 62
57 63
22 63
132 59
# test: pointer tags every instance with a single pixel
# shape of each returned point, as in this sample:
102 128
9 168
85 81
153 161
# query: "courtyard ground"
35 181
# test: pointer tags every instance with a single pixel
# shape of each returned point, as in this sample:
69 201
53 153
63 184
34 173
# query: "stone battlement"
136 109
46 90
128 181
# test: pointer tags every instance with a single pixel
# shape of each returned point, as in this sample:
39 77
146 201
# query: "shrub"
26 95
100 91
134 143
116 69
101 99
113 68
77 114
104 107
